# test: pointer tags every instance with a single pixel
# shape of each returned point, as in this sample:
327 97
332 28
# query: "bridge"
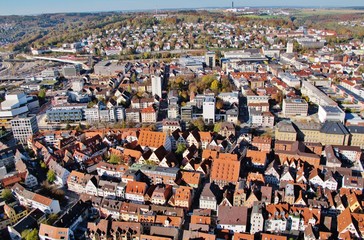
11 79
84 66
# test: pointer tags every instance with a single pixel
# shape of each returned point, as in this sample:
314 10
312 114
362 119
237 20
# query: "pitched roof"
191 177
132 153
206 136
267 236
101 227
334 128
243 236
233 215
152 139
183 193
149 109
43 200
209 154
225 170
257 157
344 220
195 219
54 232
136 187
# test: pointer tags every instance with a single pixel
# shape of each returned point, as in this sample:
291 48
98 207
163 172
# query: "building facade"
23 128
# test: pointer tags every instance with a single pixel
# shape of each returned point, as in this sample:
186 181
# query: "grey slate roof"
334 128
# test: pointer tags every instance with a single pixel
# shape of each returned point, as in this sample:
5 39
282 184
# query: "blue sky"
8 7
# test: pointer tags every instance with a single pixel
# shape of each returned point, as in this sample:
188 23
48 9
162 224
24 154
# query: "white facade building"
331 113
157 86
24 127
208 109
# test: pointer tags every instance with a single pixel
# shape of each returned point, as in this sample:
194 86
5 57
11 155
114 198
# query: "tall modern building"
17 103
210 59
157 86
208 109
289 47
24 127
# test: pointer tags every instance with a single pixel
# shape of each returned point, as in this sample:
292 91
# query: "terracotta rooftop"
41 199
152 139
134 187
225 170
257 157
149 109
191 177
53 232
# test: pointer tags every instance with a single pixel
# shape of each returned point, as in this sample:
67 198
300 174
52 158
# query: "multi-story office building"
316 95
210 59
186 112
331 113
65 115
16 104
24 127
295 107
208 108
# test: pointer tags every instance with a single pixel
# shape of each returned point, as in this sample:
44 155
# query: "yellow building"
330 133
285 132
356 136
308 131
15 213
334 133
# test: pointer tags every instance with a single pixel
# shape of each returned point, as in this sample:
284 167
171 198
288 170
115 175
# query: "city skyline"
23 7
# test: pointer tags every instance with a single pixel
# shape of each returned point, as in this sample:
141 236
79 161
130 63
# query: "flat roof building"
24 127
295 107
331 113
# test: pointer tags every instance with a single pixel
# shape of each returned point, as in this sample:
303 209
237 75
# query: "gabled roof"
101 228
232 215
334 128
344 220
224 170
206 136
191 178
152 139
209 154
134 187
257 157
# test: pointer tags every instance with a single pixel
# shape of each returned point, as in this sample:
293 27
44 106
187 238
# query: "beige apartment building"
285 132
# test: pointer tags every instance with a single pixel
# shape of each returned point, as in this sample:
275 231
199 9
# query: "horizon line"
179 9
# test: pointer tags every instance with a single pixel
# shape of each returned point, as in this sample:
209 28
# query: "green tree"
43 165
215 86
29 234
217 127
361 69
114 159
181 148
42 93
51 176
199 124
6 194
